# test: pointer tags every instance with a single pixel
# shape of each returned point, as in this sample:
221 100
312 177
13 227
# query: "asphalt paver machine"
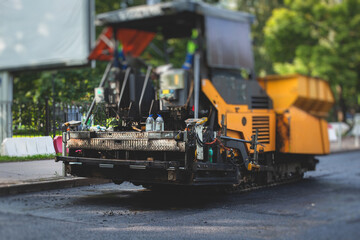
210 122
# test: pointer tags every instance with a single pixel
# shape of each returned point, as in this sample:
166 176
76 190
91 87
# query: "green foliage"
33 89
26 132
27 158
287 26
318 38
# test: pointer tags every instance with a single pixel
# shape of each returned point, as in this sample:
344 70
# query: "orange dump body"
300 103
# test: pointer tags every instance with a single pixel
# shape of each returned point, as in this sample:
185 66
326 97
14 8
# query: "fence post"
47 117
63 152
357 129
339 135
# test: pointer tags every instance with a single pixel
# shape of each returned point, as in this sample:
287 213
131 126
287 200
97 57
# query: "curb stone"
50 185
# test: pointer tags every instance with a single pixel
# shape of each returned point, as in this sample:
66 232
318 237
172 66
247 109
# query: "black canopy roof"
149 17
227 32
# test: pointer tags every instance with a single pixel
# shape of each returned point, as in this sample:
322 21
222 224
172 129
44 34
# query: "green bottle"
211 152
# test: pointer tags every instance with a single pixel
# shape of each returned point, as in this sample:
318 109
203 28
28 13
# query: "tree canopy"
318 38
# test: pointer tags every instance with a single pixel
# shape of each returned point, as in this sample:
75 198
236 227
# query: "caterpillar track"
234 189
243 187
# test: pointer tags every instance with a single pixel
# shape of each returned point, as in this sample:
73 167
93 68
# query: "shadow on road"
146 200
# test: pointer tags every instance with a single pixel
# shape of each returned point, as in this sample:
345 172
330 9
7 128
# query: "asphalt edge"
345 151
50 185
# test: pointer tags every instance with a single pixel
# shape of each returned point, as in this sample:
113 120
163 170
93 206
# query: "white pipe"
196 84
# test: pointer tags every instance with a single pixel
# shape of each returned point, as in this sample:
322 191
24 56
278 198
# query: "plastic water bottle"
159 123
149 125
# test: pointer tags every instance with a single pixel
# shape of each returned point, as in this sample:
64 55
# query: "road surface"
325 205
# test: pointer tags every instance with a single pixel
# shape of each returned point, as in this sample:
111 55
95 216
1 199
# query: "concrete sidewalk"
22 172
346 144
21 177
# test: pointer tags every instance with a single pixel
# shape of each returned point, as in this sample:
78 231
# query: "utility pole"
6 98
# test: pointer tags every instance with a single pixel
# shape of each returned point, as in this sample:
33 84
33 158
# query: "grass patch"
27 158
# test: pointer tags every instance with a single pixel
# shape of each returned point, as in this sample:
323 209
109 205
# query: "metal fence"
41 119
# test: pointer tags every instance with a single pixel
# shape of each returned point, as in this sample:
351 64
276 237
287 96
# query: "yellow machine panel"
301 133
240 120
264 121
300 103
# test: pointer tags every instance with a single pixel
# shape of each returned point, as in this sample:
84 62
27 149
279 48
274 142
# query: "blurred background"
319 38
46 79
